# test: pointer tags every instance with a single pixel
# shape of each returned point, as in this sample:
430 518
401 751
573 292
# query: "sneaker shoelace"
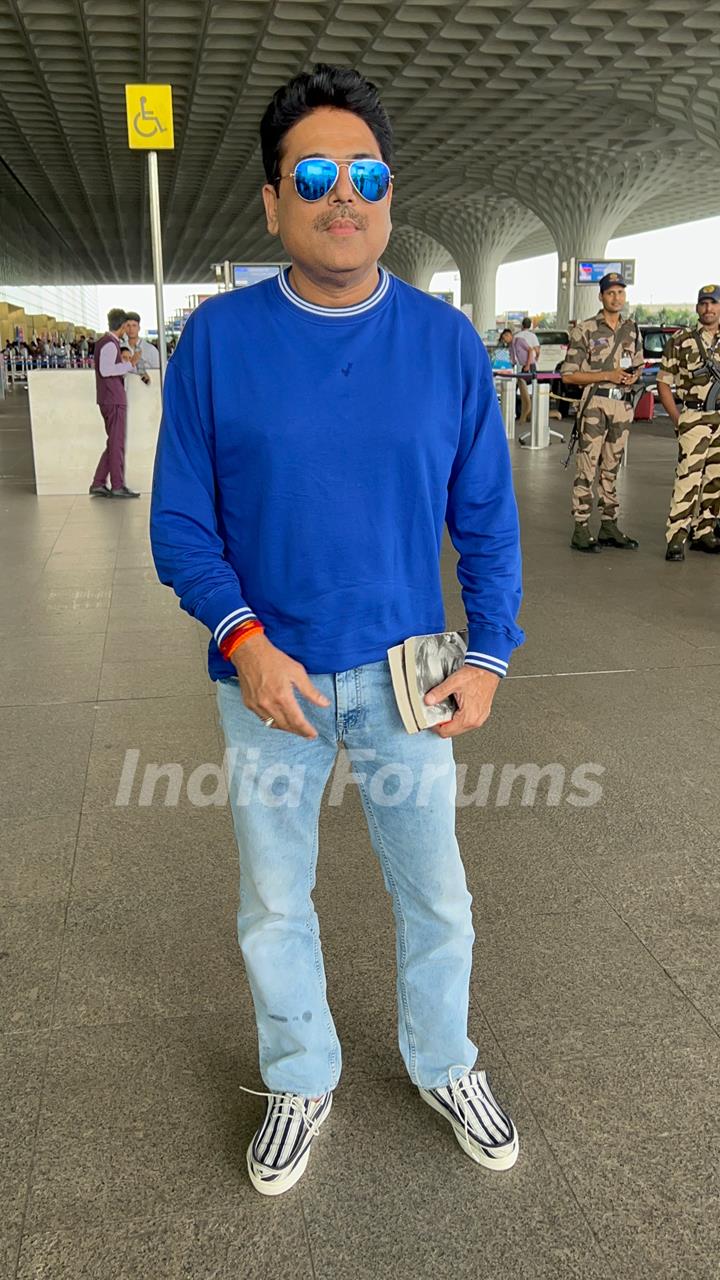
460 1102
289 1105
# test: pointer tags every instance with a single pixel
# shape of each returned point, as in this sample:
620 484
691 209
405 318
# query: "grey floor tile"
136 646
152 852
22 1065
652 1203
621 1083
154 677
129 617
687 944
147 593
362 999
582 968
30 947
89 575
28 681
520 882
131 958
44 620
627 865
90 559
134 558
136 576
37 859
179 732
145 1121
253 1241
43 759
10 1234
452 1218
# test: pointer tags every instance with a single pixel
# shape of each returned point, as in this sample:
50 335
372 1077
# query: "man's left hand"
473 689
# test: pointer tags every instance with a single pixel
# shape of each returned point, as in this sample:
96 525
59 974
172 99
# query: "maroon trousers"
112 461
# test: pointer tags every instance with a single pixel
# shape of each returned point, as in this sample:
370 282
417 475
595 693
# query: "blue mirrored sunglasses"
317 176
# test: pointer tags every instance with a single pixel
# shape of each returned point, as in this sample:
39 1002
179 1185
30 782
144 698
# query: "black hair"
132 315
325 86
526 323
116 318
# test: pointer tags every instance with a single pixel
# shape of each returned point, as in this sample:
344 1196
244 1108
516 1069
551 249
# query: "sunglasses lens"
314 178
370 178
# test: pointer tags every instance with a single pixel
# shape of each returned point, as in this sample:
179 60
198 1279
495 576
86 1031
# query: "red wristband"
239 635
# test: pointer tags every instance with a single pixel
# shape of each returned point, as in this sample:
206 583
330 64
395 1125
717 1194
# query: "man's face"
132 329
709 312
340 234
613 299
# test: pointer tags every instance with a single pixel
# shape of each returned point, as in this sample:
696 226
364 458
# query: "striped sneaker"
278 1154
482 1128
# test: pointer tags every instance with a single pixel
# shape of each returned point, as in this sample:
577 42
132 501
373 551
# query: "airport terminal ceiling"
511 119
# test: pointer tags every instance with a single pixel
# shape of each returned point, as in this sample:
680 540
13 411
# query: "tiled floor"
126 1025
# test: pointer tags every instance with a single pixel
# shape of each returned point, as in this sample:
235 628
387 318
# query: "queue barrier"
540 434
14 368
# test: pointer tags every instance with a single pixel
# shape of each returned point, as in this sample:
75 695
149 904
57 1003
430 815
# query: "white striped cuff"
232 620
486 660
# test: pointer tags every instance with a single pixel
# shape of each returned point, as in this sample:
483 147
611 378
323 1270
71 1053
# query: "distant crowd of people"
42 351
39 349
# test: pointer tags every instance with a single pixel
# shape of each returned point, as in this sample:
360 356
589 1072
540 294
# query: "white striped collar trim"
339 313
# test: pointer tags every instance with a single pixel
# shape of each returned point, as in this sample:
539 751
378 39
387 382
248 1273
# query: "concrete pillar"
583 200
479 232
415 257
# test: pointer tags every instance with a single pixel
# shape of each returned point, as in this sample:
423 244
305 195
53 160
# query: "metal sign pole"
156 232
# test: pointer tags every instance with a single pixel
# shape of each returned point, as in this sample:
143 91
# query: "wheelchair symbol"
150 119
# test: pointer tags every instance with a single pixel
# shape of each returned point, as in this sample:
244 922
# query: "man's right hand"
268 680
623 377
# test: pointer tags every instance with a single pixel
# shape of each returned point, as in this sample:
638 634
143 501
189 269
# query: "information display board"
592 270
245 274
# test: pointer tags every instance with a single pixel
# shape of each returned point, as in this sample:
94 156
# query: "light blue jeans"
407 785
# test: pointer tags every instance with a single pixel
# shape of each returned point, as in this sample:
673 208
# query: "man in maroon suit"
111 369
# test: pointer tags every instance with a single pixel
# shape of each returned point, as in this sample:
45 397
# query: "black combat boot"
708 542
676 546
611 536
582 539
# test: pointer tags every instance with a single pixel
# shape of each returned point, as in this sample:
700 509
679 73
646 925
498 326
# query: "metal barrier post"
540 434
507 389
540 419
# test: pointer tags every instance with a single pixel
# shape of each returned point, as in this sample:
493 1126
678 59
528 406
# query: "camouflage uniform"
604 424
697 476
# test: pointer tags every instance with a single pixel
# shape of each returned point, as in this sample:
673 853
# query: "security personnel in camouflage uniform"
604 358
697 476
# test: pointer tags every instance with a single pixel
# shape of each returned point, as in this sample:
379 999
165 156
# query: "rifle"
606 366
713 369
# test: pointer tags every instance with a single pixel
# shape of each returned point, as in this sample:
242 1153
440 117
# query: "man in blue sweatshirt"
319 430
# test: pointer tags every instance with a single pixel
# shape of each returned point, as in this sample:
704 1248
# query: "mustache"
346 214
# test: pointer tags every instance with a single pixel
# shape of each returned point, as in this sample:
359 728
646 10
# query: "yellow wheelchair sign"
149 117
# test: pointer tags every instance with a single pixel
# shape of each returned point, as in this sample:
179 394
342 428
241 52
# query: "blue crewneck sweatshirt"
308 460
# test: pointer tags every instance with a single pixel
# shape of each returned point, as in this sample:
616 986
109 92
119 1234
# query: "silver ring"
270 720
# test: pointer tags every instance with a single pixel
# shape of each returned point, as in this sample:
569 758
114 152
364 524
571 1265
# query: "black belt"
692 402
614 393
